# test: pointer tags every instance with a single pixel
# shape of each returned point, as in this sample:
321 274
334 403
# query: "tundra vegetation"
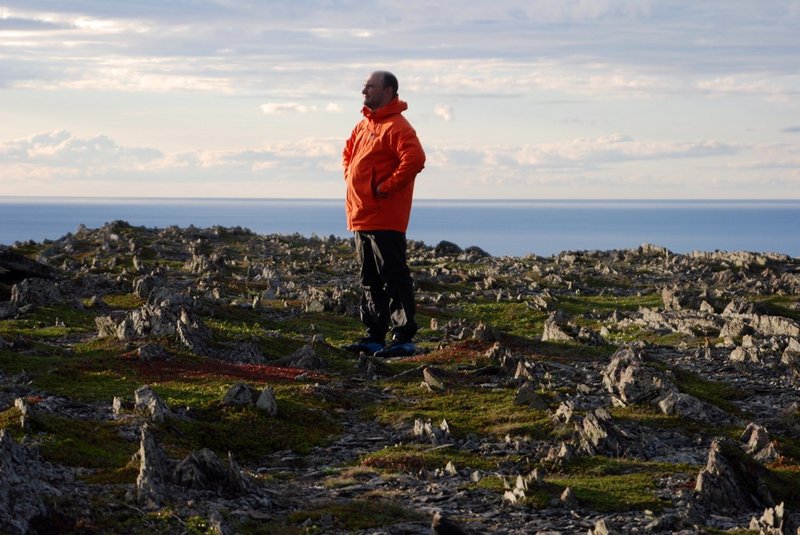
187 380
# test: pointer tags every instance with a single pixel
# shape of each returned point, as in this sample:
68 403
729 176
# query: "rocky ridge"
674 374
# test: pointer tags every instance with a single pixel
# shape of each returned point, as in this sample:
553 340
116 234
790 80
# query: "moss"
608 485
716 393
248 433
467 410
357 514
87 443
123 301
416 457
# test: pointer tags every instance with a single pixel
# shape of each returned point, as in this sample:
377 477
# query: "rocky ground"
191 381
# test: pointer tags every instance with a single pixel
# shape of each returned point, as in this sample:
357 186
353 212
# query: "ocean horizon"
500 227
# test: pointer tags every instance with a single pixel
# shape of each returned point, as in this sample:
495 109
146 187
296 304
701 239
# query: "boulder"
731 481
146 399
628 378
152 481
36 292
24 489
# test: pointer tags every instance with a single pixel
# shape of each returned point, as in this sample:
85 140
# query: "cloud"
443 111
286 107
792 129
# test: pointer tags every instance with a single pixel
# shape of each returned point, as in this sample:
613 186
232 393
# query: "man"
381 159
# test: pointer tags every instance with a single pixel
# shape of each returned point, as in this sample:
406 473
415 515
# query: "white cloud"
444 111
286 107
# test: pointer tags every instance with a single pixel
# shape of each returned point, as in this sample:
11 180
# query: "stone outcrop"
24 487
731 481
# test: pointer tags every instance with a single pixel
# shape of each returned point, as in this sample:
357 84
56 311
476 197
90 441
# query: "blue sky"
538 99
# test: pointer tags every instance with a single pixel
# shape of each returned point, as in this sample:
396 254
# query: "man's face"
375 94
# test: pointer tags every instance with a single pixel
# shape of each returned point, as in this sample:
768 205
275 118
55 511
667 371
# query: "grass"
415 457
467 410
608 485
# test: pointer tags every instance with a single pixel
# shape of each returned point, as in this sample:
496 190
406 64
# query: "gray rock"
266 402
146 399
152 481
688 406
731 481
599 435
23 490
627 377
240 394
36 292
526 395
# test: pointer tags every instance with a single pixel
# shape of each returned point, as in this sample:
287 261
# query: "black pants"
388 298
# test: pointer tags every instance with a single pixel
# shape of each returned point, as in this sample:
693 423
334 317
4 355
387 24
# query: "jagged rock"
627 377
564 412
568 498
742 354
240 394
246 353
305 358
688 406
432 380
152 481
776 326
735 328
555 329
266 402
146 399
776 521
731 481
484 333
36 292
142 286
758 443
193 334
559 455
24 493
526 395
523 372
426 430
203 470
598 435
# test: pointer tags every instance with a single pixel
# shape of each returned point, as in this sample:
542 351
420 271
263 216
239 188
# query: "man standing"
381 159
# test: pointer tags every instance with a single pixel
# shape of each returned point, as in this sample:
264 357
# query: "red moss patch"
163 371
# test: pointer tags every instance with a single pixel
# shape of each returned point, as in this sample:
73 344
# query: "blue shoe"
397 349
367 346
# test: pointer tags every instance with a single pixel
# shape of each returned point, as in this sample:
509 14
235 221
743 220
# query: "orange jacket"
383 150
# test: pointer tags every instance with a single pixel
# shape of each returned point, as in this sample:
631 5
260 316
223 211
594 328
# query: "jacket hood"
393 107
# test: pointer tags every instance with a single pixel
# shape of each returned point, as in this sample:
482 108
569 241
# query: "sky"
512 99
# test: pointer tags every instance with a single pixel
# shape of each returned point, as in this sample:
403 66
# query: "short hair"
390 80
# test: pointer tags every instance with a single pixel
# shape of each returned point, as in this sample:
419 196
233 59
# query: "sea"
500 227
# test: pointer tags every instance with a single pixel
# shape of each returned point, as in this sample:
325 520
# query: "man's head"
379 89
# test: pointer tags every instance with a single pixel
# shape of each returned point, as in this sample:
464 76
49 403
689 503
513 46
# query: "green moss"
123 301
716 393
248 433
467 410
87 443
416 457
607 485
513 318
357 514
